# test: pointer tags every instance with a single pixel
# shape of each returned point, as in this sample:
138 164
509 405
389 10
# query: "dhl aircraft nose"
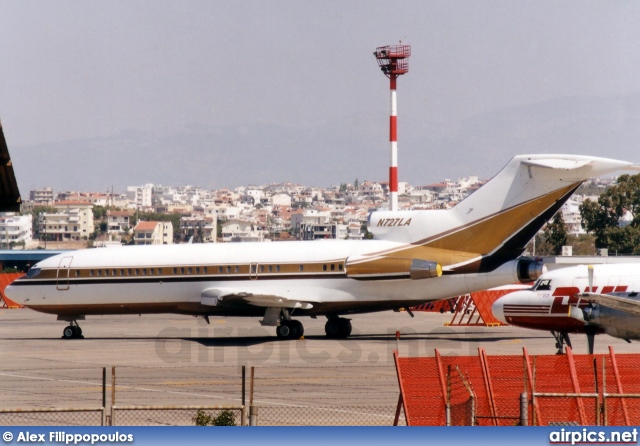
511 303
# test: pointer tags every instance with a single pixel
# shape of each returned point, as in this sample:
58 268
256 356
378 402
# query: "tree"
555 234
601 218
99 212
224 418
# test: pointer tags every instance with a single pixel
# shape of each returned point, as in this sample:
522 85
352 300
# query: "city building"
119 221
73 220
153 233
15 229
203 228
42 197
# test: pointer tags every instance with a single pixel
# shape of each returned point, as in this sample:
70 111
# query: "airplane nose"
512 302
498 310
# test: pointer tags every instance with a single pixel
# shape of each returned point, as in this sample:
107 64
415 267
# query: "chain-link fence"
179 386
59 387
327 416
52 417
176 415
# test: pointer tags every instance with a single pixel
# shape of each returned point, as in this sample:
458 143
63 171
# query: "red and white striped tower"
393 62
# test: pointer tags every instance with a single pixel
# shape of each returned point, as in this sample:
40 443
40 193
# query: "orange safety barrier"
475 308
439 306
5 280
486 390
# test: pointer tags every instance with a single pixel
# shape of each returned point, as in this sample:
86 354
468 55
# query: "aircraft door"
62 282
253 271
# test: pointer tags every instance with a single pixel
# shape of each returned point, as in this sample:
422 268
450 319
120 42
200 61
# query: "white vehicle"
415 257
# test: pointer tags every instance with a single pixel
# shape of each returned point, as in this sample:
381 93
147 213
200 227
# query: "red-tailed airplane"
415 257
579 299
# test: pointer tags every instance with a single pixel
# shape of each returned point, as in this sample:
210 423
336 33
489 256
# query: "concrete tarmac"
180 360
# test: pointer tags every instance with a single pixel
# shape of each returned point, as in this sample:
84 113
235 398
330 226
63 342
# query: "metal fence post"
524 405
113 392
104 395
448 397
253 415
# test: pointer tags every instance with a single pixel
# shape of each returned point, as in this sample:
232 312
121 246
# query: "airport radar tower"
393 62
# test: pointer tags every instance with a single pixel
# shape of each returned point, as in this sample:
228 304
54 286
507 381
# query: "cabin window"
278 268
144 271
340 267
137 272
270 268
122 272
333 267
261 268
151 272
129 272
237 269
205 270
113 272
33 272
77 273
228 269
301 267
175 271
190 270
220 270
542 285
106 272
324 267
92 273
159 271
181 270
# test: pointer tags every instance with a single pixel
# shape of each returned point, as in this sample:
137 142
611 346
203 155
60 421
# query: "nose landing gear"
72 331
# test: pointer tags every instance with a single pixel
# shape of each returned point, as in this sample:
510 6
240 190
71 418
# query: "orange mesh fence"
5 280
440 306
506 373
486 390
423 397
472 370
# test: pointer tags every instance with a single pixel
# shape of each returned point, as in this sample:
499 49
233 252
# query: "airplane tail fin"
9 194
499 219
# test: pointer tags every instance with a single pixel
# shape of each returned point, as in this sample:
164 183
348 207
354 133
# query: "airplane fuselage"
172 278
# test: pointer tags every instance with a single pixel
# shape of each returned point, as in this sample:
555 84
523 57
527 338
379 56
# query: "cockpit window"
542 285
33 272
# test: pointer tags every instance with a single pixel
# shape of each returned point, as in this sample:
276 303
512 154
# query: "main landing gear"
338 328
290 329
72 331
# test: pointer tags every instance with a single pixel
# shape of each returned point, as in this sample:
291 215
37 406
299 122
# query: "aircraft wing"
236 296
9 194
627 305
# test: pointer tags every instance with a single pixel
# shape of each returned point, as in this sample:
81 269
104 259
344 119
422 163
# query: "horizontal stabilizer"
630 306
557 163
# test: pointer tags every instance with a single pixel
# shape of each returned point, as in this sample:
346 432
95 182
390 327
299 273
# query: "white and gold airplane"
415 257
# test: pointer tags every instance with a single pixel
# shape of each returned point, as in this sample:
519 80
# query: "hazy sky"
74 71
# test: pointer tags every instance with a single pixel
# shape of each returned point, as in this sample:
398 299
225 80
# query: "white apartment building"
15 229
118 221
207 225
141 196
72 221
153 233
309 217
238 230
42 197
